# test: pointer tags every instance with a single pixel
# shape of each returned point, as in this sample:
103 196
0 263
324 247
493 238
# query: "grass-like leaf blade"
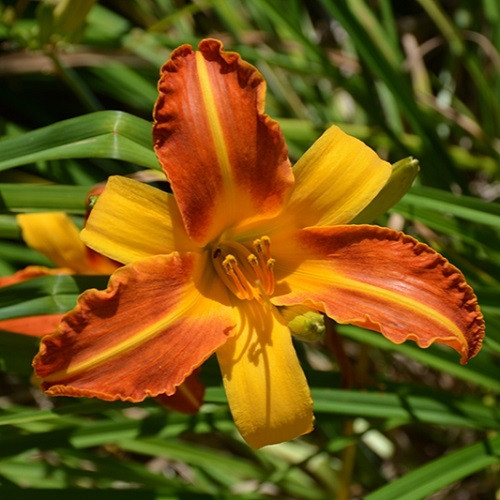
439 473
103 134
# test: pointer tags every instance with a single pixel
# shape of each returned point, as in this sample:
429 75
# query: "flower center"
247 270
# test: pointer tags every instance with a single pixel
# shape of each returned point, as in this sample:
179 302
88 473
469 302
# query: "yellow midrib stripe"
213 119
122 347
341 281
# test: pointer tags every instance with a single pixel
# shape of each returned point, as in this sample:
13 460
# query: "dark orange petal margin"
382 280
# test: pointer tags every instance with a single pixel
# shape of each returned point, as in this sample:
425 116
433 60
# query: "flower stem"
333 343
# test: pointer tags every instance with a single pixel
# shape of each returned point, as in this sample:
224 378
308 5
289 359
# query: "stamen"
259 249
244 281
254 262
266 242
248 275
228 262
257 244
270 273
232 269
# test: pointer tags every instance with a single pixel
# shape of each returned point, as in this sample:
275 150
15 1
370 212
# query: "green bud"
304 323
403 174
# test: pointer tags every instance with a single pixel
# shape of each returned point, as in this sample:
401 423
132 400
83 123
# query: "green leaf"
177 450
465 207
42 198
45 295
477 371
103 134
8 224
20 415
436 408
437 166
16 353
439 473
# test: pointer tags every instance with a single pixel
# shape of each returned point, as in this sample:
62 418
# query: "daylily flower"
54 235
206 269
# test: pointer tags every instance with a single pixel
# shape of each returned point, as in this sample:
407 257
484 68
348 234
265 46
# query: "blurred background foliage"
418 78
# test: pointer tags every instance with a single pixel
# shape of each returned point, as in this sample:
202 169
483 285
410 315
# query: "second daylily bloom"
54 235
207 269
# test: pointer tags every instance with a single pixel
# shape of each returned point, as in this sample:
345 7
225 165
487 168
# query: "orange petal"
382 280
265 385
30 272
159 319
226 160
36 326
188 397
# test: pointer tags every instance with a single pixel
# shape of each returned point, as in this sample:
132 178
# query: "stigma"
246 269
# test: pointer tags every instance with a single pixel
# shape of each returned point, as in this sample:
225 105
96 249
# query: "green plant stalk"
75 83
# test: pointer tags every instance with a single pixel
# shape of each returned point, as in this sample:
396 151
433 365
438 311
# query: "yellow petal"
54 235
265 385
335 179
132 220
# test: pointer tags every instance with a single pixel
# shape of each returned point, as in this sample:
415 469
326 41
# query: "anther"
232 269
253 260
266 242
270 274
249 275
264 270
257 244
229 262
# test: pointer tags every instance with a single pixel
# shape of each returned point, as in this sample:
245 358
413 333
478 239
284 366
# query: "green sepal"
403 174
